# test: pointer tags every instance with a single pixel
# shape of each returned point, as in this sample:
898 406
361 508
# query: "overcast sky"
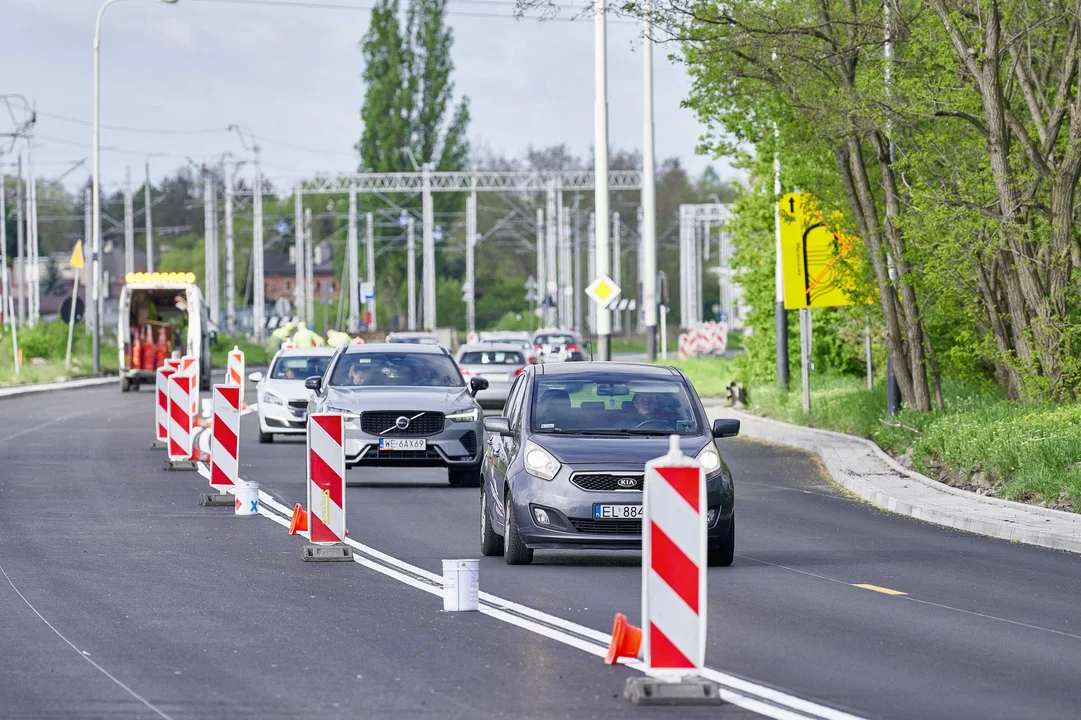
293 75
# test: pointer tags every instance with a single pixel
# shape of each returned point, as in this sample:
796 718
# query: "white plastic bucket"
247 498
461 584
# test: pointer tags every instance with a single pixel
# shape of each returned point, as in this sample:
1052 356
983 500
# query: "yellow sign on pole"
811 256
77 255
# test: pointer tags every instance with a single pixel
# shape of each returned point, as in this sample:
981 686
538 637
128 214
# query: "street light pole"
600 166
96 184
648 262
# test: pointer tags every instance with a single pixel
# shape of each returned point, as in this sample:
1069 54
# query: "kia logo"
402 422
627 482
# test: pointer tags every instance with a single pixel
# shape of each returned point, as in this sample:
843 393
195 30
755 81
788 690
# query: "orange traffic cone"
161 349
200 456
626 641
300 520
136 350
204 422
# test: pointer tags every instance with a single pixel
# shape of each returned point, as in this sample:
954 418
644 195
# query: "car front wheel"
514 550
722 556
265 438
490 543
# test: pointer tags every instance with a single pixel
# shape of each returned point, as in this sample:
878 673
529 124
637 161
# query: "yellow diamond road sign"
603 291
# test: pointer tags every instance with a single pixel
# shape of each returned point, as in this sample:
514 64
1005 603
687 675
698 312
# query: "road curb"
931 501
16 390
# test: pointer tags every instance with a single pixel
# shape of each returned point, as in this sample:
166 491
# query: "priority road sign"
603 291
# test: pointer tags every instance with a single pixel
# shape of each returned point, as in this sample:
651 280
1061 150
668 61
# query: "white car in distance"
282 397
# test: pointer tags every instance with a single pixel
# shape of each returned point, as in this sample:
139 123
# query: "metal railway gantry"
427 181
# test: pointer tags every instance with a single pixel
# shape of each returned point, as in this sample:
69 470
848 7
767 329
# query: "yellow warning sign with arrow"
811 253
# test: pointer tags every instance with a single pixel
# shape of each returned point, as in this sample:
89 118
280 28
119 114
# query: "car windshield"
299 367
556 340
413 340
613 404
393 369
491 357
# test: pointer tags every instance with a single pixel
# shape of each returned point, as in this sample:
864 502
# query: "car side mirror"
725 427
314 383
255 376
477 384
497 425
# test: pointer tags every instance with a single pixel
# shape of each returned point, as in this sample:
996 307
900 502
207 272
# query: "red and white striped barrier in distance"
234 372
225 438
180 390
189 367
686 346
326 477
161 409
674 564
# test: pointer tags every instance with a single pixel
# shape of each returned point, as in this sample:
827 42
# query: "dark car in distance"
565 463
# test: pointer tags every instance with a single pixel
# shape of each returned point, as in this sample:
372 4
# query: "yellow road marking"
878 589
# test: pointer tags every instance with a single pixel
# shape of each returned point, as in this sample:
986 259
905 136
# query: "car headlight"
540 462
710 460
271 399
468 415
338 410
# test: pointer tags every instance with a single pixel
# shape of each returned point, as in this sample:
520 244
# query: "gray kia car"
564 465
412 408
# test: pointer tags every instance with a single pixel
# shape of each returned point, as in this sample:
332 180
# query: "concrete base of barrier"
179 465
654 691
327 553
216 500
158 445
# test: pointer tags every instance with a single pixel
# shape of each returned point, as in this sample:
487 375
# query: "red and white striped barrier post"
161 407
326 488
234 372
180 422
672 640
674 564
224 446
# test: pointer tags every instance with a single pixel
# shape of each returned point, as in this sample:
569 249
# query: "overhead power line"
367 8
126 128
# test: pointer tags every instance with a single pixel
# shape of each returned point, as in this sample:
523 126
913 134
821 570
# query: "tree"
52 283
407 104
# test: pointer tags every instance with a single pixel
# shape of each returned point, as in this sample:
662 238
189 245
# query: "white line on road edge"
737 691
84 655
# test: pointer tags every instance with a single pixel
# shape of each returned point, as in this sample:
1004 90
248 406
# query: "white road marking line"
84 655
923 602
786 707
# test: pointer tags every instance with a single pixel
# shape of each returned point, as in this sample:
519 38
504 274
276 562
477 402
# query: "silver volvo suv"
413 408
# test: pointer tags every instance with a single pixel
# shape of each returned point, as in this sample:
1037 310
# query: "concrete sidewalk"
61 385
863 468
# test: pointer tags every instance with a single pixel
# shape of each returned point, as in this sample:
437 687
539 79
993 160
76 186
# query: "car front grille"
428 454
298 404
605 482
608 527
469 441
377 423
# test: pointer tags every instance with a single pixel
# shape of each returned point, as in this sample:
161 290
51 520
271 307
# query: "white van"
168 304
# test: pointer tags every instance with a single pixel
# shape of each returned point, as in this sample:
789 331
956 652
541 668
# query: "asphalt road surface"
121 598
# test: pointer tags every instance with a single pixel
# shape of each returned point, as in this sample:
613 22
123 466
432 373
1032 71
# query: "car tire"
723 555
490 542
514 550
125 385
265 438
464 477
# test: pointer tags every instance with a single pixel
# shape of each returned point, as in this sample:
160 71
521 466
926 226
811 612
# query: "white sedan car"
283 399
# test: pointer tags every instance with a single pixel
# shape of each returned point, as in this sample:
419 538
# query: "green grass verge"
43 350
254 355
1025 452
